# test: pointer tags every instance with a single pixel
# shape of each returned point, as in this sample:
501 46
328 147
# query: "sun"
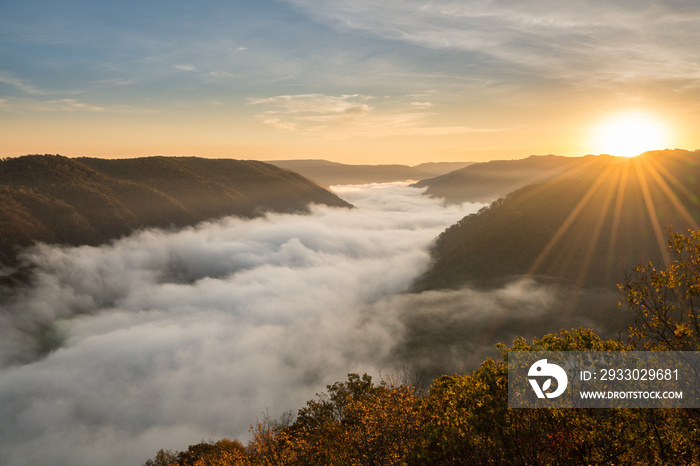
630 134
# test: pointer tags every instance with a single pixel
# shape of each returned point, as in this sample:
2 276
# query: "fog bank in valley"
164 339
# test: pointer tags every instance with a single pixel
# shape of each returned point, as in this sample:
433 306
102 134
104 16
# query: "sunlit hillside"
57 199
585 227
488 181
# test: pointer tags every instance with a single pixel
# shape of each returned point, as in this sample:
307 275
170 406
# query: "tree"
225 452
356 422
666 305
467 419
163 458
666 302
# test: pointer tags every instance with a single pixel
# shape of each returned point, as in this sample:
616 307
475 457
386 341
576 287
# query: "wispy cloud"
115 82
8 78
313 111
278 123
345 116
582 37
208 75
423 94
67 105
185 67
316 104
223 75
38 99
73 104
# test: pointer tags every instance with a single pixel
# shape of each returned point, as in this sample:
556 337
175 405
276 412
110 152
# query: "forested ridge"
464 419
330 173
55 199
584 227
488 181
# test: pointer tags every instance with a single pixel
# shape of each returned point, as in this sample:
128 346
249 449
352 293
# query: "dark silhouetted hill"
328 173
488 181
55 199
585 227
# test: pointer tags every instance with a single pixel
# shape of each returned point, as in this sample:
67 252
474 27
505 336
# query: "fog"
164 339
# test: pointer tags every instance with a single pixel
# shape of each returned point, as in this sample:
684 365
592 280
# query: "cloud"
421 104
185 67
346 116
162 339
311 112
277 123
68 105
21 84
223 75
581 39
73 104
455 330
310 104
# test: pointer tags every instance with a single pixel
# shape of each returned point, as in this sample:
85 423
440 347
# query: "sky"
356 81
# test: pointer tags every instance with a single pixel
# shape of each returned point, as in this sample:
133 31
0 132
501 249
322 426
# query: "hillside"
488 181
586 227
328 173
441 168
54 199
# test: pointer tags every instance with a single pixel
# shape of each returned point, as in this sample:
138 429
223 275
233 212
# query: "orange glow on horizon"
630 134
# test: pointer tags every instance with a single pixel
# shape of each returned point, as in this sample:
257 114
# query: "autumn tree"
225 452
666 301
467 419
666 305
356 422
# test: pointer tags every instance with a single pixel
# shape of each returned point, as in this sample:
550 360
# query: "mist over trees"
192 333
576 236
331 173
465 419
586 228
497 271
55 199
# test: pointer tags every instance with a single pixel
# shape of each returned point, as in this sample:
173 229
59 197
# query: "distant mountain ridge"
585 227
55 199
328 173
488 181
